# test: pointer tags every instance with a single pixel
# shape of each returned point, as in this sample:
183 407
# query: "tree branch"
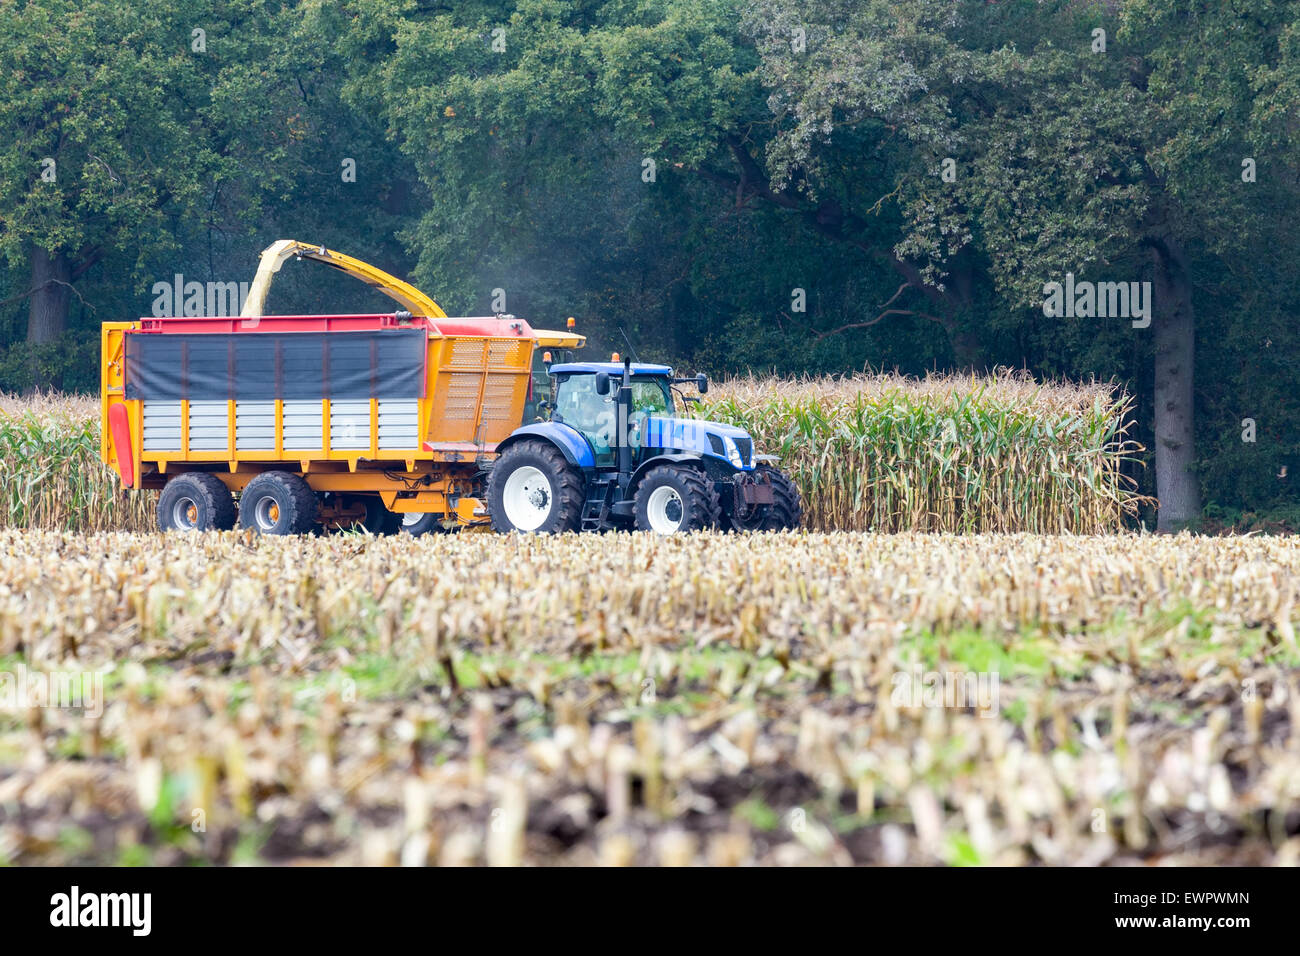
866 325
88 257
45 285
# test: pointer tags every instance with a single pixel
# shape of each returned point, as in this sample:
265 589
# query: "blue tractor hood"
727 442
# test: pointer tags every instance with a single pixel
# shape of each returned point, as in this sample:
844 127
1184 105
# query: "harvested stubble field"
631 699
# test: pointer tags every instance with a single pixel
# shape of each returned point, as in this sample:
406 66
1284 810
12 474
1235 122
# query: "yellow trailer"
313 420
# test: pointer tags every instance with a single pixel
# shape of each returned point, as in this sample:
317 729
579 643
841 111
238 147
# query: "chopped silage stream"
632 699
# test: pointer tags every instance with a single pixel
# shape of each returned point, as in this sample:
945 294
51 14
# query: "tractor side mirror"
602 383
701 383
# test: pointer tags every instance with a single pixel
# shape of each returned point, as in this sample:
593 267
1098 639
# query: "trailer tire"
533 489
277 502
672 499
196 501
392 522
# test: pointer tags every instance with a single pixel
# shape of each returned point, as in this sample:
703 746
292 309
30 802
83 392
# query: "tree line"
1081 189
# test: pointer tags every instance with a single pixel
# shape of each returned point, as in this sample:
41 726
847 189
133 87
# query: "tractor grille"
743 445
746 448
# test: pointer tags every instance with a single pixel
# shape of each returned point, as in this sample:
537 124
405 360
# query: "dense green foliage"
732 185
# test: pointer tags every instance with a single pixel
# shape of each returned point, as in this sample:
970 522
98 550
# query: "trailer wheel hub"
266 513
185 514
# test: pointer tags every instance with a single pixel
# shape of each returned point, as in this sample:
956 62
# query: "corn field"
947 453
50 473
630 699
881 453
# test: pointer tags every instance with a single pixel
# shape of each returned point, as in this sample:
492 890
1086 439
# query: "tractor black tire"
196 501
277 502
427 523
557 500
783 514
680 494
786 512
392 522
378 520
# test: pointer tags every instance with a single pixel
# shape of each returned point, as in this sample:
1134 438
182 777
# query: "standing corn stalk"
947 453
50 473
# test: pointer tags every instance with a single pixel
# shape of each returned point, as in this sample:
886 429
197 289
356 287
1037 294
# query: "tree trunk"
967 351
951 307
1174 325
47 316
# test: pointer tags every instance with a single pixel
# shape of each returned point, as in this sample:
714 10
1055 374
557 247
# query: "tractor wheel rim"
527 498
185 514
665 510
412 517
266 513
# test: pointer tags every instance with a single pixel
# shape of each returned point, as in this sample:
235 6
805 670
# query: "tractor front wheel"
783 514
672 499
786 512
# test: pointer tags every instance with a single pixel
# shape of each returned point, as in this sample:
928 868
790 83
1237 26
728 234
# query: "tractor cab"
580 403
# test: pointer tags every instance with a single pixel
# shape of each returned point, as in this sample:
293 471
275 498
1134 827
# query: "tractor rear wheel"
377 519
197 501
277 502
672 499
532 488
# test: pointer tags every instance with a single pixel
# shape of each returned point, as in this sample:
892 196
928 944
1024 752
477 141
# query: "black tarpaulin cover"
259 366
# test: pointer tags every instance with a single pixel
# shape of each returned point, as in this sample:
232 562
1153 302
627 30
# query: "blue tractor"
615 454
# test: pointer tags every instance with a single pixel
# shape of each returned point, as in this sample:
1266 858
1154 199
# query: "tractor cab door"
578 405
651 397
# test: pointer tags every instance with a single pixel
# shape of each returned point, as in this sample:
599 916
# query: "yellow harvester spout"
410 298
274 256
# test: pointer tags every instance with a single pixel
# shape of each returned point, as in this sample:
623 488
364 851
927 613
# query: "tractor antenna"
628 342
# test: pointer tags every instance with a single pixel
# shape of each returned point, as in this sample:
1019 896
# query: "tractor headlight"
733 453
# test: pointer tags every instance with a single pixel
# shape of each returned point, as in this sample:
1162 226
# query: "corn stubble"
628 699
